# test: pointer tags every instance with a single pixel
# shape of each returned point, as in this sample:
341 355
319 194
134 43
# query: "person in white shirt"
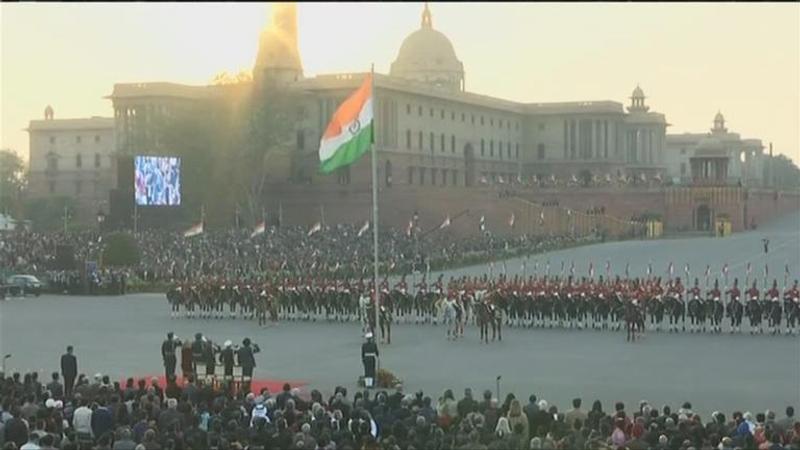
82 419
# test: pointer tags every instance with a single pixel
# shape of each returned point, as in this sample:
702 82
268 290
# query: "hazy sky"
690 59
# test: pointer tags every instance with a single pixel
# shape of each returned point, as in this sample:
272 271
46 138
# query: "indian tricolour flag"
349 134
194 230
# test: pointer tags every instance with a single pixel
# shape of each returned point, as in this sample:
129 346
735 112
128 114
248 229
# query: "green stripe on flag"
349 152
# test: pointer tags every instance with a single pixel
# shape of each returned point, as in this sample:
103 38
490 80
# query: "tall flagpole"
374 210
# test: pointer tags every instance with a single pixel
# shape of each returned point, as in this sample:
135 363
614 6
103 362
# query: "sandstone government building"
438 142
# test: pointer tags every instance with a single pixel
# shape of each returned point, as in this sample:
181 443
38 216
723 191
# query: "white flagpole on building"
375 212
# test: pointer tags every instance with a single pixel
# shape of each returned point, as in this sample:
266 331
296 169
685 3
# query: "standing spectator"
55 387
69 370
518 417
467 404
576 413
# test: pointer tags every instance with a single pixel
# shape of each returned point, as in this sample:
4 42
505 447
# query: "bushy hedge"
121 249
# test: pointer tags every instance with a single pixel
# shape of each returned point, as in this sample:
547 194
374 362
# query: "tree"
121 249
47 214
12 182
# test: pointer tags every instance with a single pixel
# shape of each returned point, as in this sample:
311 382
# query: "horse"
697 314
753 311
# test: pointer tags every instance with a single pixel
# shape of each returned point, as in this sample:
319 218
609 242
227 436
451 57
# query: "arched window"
79 160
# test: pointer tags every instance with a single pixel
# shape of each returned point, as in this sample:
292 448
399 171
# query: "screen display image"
157 180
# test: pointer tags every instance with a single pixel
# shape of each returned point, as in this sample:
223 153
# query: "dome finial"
427 21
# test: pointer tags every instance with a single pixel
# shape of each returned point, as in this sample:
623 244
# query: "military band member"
369 357
168 349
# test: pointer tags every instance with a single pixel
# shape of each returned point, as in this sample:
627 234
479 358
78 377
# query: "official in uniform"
226 358
168 348
247 360
369 356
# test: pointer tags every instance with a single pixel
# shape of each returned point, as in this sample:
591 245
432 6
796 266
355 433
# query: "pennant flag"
511 220
349 134
725 269
410 228
194 230
766 271
363 229
786 270
708 270
317 227
608 268
483 223
259 229
627 270
562 267
541 217
671 269
446 223
547 268
686 270
483 180
591 270
749 269
649 269
572 268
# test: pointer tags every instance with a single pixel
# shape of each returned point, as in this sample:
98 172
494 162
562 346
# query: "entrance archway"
469 165
702 218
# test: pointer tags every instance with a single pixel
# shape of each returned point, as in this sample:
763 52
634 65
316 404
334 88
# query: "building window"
444 177
97 160
419 110
411 175
441 147
481 120
78 186
301 140
431 112
433 176
78 160
52 162
419 140
455 177
483 147
463 117
97 139
517 149
473 119
566 140
433 142
541 127
442 114
491 122
500 149
683 168
508 150
683 150
491 148
51 186
52 139
453 143
453 116
540 151
408 108
77 139
408 139
421 176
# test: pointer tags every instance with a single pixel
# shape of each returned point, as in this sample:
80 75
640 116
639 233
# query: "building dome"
428 55
719 124
638 92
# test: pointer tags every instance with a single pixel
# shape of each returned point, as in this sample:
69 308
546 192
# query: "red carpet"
256 385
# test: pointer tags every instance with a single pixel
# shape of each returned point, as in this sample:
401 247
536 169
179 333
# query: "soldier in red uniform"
753 308
791 305
774 309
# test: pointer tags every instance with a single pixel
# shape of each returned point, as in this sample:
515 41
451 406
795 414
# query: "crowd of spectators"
101 414
335 251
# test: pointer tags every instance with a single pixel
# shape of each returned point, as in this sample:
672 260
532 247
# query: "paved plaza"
121 336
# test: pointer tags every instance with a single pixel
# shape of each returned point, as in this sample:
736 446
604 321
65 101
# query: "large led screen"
157 180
